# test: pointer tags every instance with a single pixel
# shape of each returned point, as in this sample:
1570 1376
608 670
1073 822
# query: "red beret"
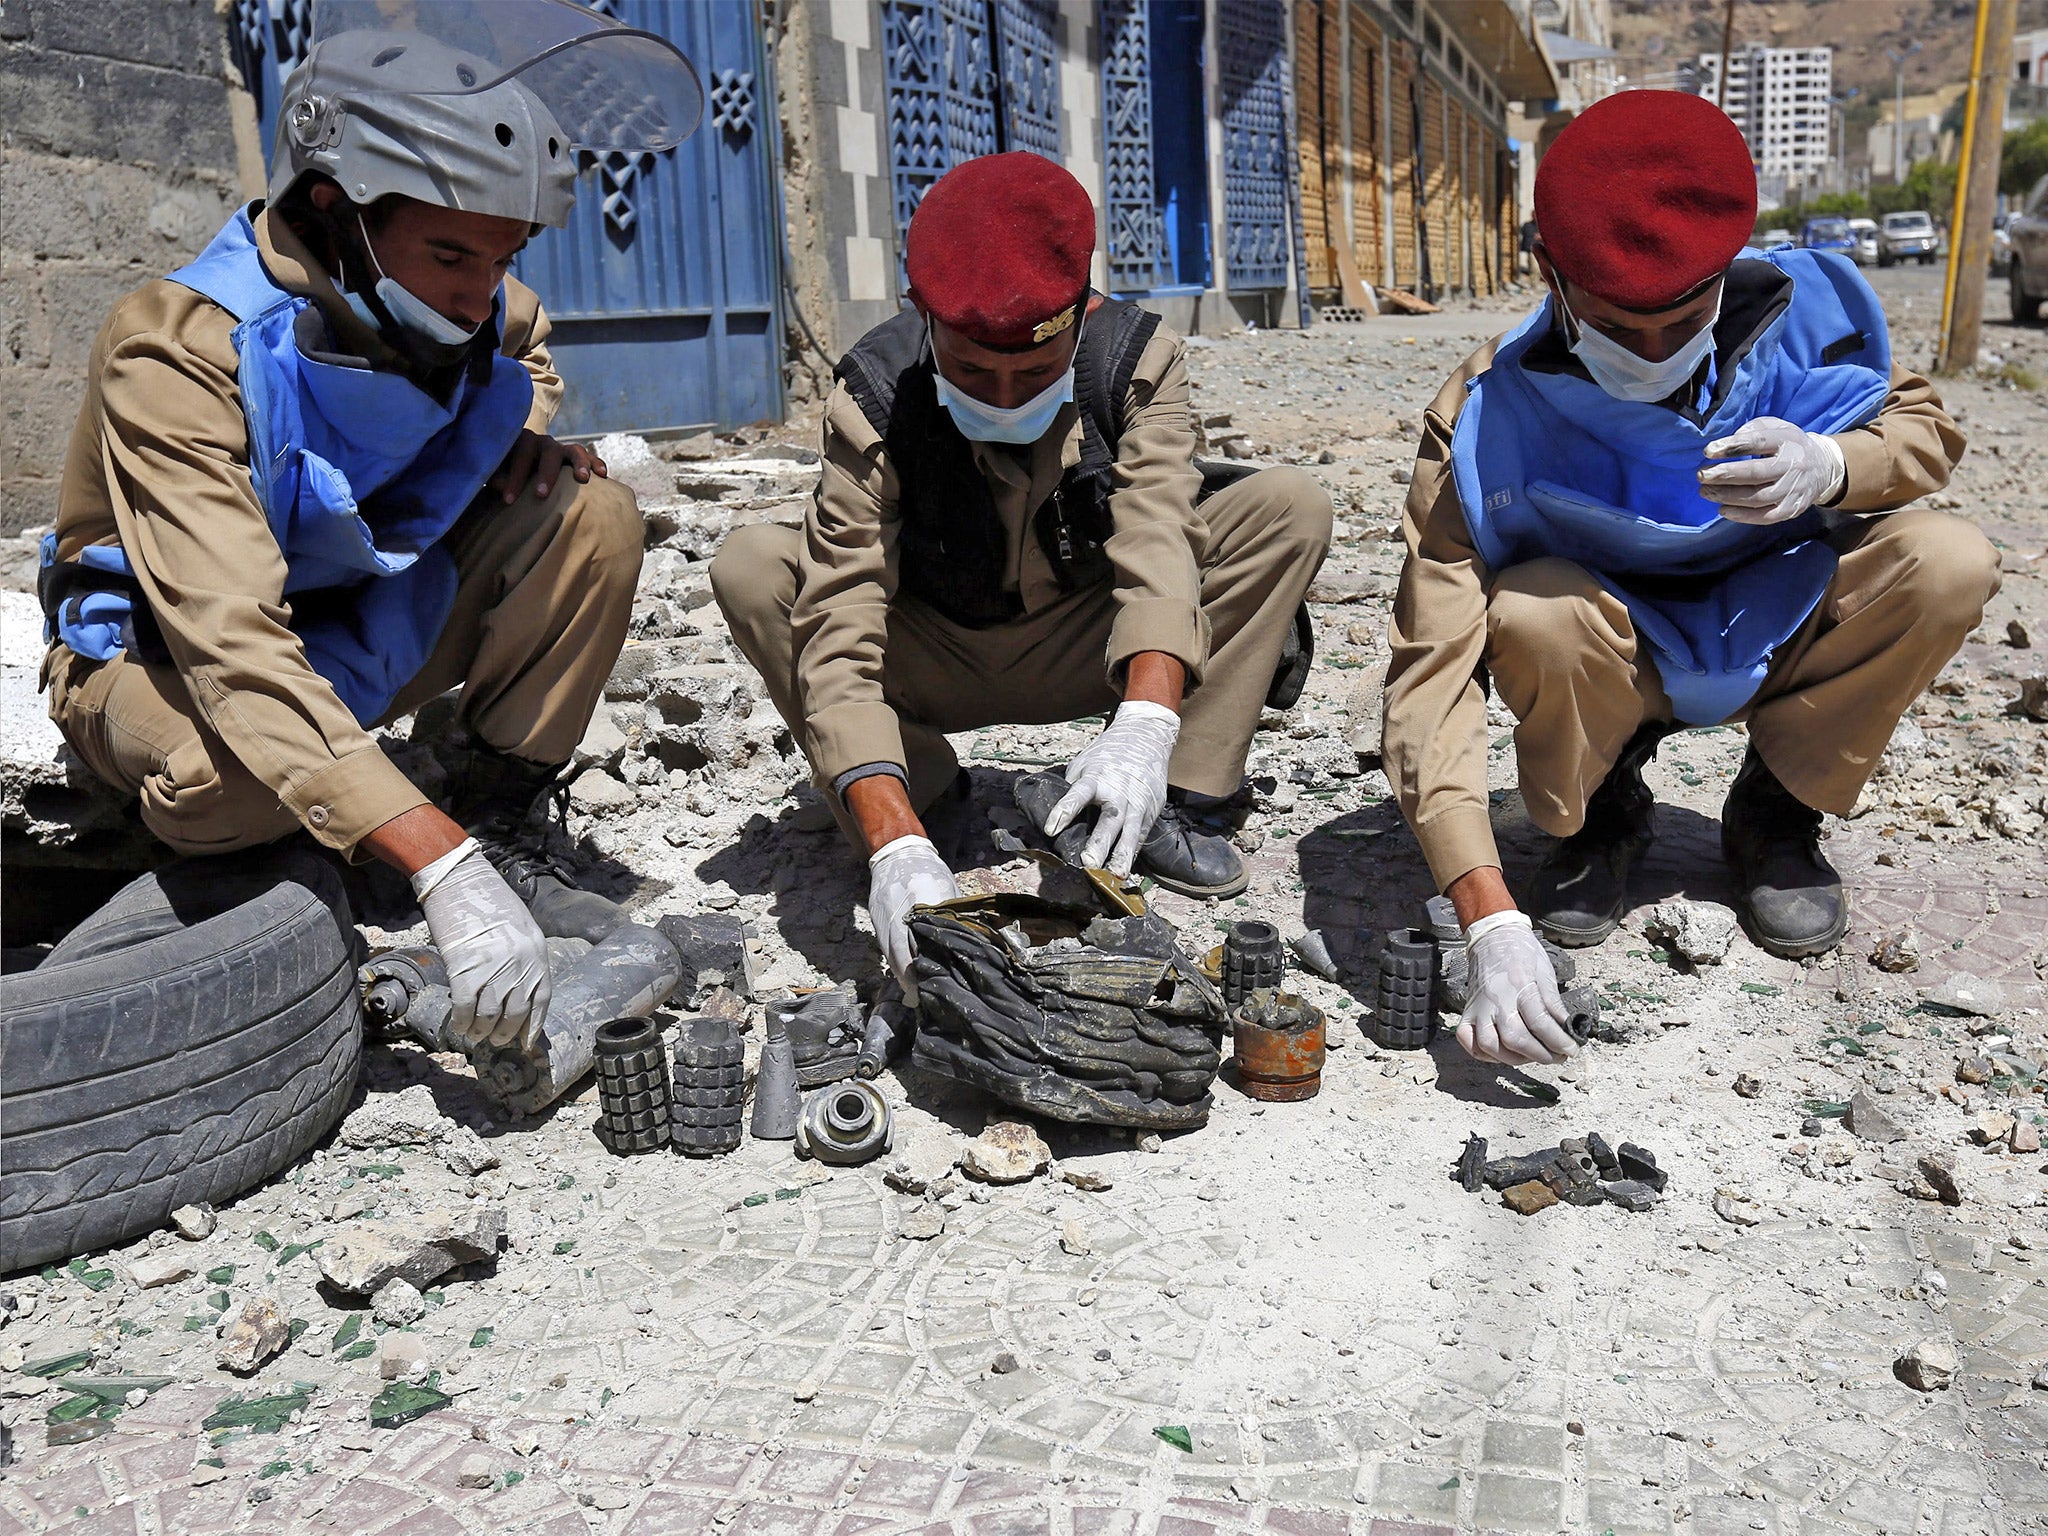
1646 195
1000 249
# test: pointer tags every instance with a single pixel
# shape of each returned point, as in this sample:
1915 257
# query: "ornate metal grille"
267 40
732 103
1027 46
942 107
1137 239
1252 57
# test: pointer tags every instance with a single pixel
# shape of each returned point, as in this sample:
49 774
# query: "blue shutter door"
1252 59
1137 245
664 288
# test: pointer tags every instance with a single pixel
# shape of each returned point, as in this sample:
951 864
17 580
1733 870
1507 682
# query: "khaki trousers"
544 594
1562 652
1268 534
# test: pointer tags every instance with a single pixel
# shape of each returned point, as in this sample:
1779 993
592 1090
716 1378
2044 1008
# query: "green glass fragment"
566 1181
266 1415
298 1327
401 1403
296 1249
1176 1435
787 1194
1761 988
266 1242
379 1171
73 1408
275 1467
752 1200
195 1324
218 1300
566 1245
1450 1482
434 1298
480 1338
347 1332
58 1365
359 1350
221 1274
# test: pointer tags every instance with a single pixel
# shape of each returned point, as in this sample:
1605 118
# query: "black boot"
495 798
1181 854
1579 892
1790 894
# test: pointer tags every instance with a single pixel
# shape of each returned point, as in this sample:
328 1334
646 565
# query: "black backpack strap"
873 368
1108 361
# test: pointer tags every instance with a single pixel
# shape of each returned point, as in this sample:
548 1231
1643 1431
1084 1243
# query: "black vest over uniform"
950 552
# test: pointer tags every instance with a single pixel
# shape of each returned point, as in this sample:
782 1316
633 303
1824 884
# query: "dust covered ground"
1332 1334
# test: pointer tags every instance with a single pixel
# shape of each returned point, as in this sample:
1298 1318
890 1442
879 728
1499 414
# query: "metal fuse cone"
778 1104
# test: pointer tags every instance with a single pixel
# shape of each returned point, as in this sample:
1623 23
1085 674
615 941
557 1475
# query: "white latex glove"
496 956
1122 771
1791 470
904 874
1513 1013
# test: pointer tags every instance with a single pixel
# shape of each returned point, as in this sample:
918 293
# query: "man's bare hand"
538 459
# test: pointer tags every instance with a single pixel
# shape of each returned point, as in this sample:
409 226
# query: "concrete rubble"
557 1306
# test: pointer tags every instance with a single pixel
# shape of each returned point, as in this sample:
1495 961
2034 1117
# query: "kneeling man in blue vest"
1670 498
1011 527
312 487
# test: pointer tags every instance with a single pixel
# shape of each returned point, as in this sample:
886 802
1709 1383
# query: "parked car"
1904 235
1828 234
2026 274
1773 240
1865 231
2001 240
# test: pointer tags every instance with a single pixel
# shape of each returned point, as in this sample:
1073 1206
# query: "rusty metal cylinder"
1277 1044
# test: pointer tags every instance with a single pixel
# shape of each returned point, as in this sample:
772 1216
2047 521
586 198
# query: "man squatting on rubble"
1574 536
221 647
1010 527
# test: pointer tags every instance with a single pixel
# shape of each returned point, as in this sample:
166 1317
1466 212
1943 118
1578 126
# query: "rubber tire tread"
200 1032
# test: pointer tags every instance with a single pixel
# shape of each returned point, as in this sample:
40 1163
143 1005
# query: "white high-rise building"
1779 99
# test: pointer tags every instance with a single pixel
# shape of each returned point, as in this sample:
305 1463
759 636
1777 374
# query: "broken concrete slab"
1008 1152
259 1331
364 1258
409 1118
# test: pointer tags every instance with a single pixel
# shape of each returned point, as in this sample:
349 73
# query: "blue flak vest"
1552 465
360 474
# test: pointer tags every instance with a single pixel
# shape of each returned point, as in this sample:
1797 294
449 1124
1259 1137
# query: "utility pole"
1898 58
1721 81
1969 239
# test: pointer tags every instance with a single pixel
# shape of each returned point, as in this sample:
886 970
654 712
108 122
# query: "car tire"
2026 307
190 1039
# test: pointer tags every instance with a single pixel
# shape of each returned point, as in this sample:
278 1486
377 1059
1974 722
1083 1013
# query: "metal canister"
1277 1044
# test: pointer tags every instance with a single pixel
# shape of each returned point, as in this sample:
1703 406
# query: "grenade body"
1252 961
707 1088
1404 1012
632 1087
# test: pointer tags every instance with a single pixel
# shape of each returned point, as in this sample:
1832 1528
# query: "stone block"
181 35
121 111
35 423
24 324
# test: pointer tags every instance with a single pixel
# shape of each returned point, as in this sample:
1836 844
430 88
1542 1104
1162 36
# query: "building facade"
1781 98
1244 155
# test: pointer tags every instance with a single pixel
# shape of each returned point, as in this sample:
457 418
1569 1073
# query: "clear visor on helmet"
609 86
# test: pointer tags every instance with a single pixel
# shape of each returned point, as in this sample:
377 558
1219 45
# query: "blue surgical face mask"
1626 376
406 307
1019 424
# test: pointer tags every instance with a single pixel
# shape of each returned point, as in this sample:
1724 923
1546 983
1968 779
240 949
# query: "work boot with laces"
1183 854
1180 852
1790 895
496 798
1579 892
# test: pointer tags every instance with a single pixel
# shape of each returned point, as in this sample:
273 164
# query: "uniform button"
317 816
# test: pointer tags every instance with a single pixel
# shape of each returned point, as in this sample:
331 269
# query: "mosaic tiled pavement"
793 1368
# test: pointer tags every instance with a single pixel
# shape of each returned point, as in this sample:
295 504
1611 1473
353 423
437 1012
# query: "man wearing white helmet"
312 487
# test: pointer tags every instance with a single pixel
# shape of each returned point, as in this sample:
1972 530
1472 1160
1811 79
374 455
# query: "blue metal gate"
665 287
1137 242
966 78
1155 142
1251 48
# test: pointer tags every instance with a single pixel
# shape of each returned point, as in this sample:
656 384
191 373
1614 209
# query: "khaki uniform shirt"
159 463
849 569
1434 740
